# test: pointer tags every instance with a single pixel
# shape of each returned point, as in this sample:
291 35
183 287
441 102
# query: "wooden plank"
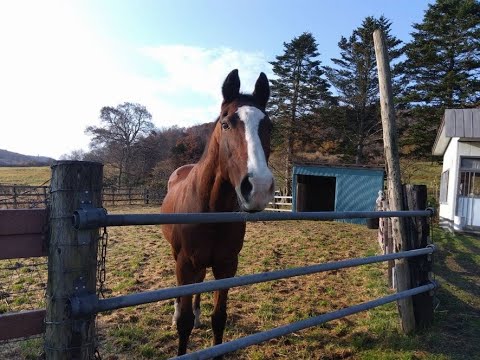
22 246
21 324
22 233
22 221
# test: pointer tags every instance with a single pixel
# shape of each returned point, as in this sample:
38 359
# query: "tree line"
323 113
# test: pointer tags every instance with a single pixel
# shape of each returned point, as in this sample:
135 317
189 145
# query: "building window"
444 187
469 182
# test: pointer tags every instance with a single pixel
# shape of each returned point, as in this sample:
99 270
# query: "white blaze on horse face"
259 174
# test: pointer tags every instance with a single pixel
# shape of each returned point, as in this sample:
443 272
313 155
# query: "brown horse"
232 175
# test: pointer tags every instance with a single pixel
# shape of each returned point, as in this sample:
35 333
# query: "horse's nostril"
246 188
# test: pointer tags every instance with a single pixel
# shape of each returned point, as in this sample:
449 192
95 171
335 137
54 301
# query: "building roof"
334 165
461 123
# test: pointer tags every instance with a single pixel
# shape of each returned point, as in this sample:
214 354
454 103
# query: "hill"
8 158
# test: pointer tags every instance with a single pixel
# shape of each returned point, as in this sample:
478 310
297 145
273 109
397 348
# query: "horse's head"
244 142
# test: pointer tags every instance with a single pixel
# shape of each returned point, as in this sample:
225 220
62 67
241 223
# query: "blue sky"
63 60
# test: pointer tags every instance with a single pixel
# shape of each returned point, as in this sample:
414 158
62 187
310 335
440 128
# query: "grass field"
415 172
25 175
139 259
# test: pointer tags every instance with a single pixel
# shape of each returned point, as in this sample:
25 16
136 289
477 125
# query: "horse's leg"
183 307
219 315
196 302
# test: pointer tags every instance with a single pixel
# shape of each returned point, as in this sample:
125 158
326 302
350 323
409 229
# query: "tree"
297 91
441 69
443 59
355 78
77 155
122 127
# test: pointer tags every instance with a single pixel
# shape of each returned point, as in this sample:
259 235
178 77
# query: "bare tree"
122 127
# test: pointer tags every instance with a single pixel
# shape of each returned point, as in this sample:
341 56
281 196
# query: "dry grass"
25 175
139 259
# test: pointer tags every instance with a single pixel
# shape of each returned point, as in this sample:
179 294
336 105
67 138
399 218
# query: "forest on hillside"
327 114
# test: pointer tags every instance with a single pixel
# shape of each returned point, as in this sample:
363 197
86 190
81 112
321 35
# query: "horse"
232 175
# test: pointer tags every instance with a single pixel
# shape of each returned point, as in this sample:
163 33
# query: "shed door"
316 193
468 201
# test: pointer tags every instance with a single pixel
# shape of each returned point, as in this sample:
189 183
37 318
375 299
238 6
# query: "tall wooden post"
394 183
72 257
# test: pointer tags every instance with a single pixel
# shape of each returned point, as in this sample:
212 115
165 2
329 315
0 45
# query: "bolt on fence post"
72 259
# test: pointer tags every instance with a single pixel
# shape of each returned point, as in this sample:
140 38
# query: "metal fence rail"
260 337
90 304
98 217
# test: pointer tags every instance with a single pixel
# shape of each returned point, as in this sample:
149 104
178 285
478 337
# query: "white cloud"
201 70
56 72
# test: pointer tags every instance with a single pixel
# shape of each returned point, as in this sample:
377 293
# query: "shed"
458 141
336 188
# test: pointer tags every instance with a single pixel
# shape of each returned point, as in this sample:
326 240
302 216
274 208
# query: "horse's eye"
225 126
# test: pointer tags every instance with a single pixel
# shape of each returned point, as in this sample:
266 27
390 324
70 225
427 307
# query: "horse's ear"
231 86
262 90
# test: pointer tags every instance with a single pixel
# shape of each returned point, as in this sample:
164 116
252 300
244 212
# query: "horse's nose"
257 192
246 188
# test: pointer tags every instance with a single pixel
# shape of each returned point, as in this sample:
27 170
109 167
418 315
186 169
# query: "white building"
458 141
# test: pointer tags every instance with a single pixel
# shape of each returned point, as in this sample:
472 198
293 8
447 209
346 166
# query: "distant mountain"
8 158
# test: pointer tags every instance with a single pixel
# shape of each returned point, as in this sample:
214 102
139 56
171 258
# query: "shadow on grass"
455 332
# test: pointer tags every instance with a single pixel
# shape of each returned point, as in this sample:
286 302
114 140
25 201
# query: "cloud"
189 72
57 71
201 70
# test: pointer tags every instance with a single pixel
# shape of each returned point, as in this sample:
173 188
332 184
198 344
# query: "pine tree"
443 59
442 68
298 90
356 81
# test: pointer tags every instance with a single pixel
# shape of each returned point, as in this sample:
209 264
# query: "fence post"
14 197
415 198
72 259
390 135
45 196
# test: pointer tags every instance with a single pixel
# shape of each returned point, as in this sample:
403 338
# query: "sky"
62 61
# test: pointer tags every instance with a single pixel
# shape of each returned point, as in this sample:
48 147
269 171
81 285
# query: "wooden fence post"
72 257
418 230
394 185
45 196
14 197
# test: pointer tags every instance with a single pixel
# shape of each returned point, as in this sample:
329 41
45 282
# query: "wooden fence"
23 234
22 196
280 203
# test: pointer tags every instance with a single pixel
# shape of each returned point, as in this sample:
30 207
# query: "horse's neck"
214 193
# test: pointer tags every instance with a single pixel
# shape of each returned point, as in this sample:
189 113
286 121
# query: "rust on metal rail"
21 324
23 233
